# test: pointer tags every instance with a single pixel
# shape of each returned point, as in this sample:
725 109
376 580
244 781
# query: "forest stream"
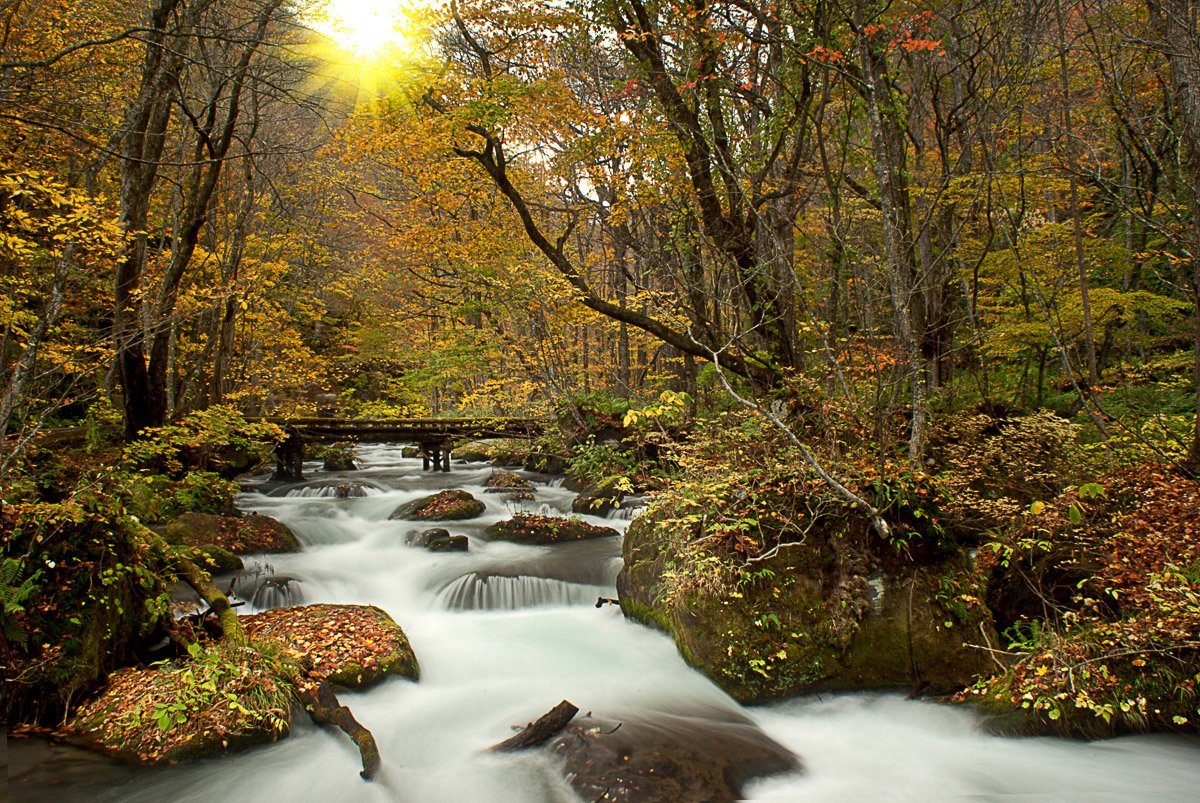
503 632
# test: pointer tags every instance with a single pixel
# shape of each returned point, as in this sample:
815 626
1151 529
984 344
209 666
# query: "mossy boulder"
223 698
502 482
823 615
410 452
667 757
338 457
445 506
350 645
599 498
215 559
527 528
471 452
239 535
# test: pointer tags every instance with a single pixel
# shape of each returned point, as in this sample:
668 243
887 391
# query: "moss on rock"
239 535
506 482
813 617
526 528
444 506
599 498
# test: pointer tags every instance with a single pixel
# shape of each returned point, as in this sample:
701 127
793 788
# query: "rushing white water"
503 632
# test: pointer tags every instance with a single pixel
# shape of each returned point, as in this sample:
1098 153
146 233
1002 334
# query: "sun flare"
365 28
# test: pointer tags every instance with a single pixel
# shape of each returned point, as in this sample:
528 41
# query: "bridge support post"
289 459
435 456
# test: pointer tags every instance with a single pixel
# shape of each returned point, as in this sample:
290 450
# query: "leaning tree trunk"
1177 23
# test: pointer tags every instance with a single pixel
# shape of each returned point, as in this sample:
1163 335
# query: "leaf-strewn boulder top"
445 506
350 645
505 481
526 528
237 535
227 698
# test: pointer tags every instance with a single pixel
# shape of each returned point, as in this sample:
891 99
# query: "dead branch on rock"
546 727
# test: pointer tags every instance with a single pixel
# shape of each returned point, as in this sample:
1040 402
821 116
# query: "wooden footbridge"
434 436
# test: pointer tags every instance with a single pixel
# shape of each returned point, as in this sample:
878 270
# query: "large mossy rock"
527 528
665 758
825 615
444 506
226 698
350 645
338 457
599 498
239 535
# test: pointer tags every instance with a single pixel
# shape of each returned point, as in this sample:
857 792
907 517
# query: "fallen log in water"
545 728
323 706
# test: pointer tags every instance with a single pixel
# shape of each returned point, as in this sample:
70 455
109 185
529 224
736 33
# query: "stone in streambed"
239 535
506 482
659 757
444 506
337 457
350 645
527 528
448 543
826 614
169 712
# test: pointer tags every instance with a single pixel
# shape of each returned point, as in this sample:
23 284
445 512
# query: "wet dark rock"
448 543
519 496
444 506
410 452
425 536
667 758
527 528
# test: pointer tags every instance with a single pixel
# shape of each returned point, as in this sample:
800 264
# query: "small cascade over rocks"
274 591
476 592
341 489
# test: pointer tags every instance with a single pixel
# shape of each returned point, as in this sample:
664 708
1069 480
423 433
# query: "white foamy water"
503 632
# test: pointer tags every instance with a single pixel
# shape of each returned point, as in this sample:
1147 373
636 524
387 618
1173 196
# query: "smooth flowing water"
503 632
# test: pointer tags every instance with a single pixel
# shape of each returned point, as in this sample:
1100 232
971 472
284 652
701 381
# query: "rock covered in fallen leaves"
527 528
445 506
664 758
239 535
350 645
500 482
223 698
